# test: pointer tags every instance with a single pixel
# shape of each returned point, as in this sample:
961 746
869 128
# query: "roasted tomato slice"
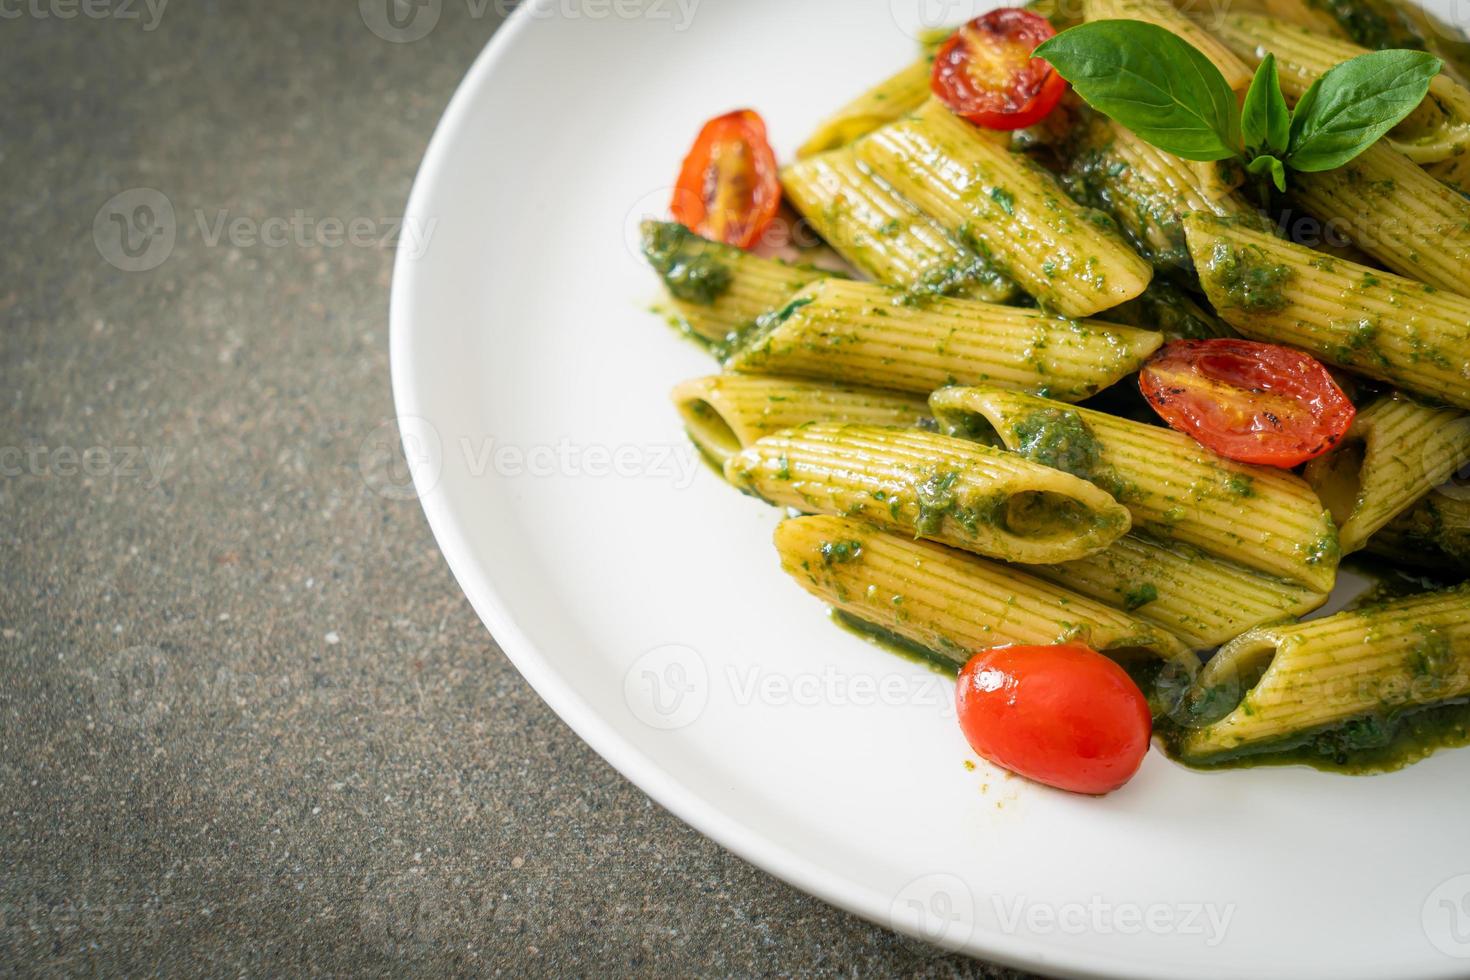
1062 715
985 71
727 188
1248 401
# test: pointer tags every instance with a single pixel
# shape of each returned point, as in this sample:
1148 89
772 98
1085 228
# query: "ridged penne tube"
865 334
895 96
1404 332
1453 172
1264 518
1437 130
884 236
1009 209
1202 600
1396 451
1374 662
1161 14
928 485
1303 13
1395 212
1146 190
1061 13
951 603
724 413
714 289
1433 534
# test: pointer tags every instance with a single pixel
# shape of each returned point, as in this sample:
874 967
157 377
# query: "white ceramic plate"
642 599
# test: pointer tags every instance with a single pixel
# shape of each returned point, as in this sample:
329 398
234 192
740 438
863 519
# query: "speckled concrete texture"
249 723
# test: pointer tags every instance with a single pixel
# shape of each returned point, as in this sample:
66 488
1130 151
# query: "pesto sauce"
935 660
749 340
1325 549
1139 596
952 279
1434 535
1147 215
1059 438
692 268
1250 280
1164 307
840 552
1379 742
1371 25
1359 746
938 499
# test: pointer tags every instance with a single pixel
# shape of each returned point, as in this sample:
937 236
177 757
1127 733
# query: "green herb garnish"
1162 88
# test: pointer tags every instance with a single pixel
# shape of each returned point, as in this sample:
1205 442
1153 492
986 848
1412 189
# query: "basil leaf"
1355 103
1152 82
1265 121
1262 164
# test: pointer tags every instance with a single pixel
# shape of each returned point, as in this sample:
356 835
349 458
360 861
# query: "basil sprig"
1162 88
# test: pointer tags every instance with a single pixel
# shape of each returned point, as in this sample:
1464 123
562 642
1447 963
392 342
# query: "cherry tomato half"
1062 715
985 71
1248 401
727 189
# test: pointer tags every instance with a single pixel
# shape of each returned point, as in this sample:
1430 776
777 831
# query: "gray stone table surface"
248 722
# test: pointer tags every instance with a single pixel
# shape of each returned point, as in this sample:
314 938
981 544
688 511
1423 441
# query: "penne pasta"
1303 13
1264 518
1147 192
1396 452
869 335
1008 209
1285 684
921 421
724 413
894 97
883 235
1395 212
715 290
1202 600
949 490
952 603
1404 332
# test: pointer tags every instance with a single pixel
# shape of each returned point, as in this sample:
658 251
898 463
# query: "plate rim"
1033 954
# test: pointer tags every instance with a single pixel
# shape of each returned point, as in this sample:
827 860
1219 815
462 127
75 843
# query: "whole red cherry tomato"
985 71
1062 715
1248 401
728 189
